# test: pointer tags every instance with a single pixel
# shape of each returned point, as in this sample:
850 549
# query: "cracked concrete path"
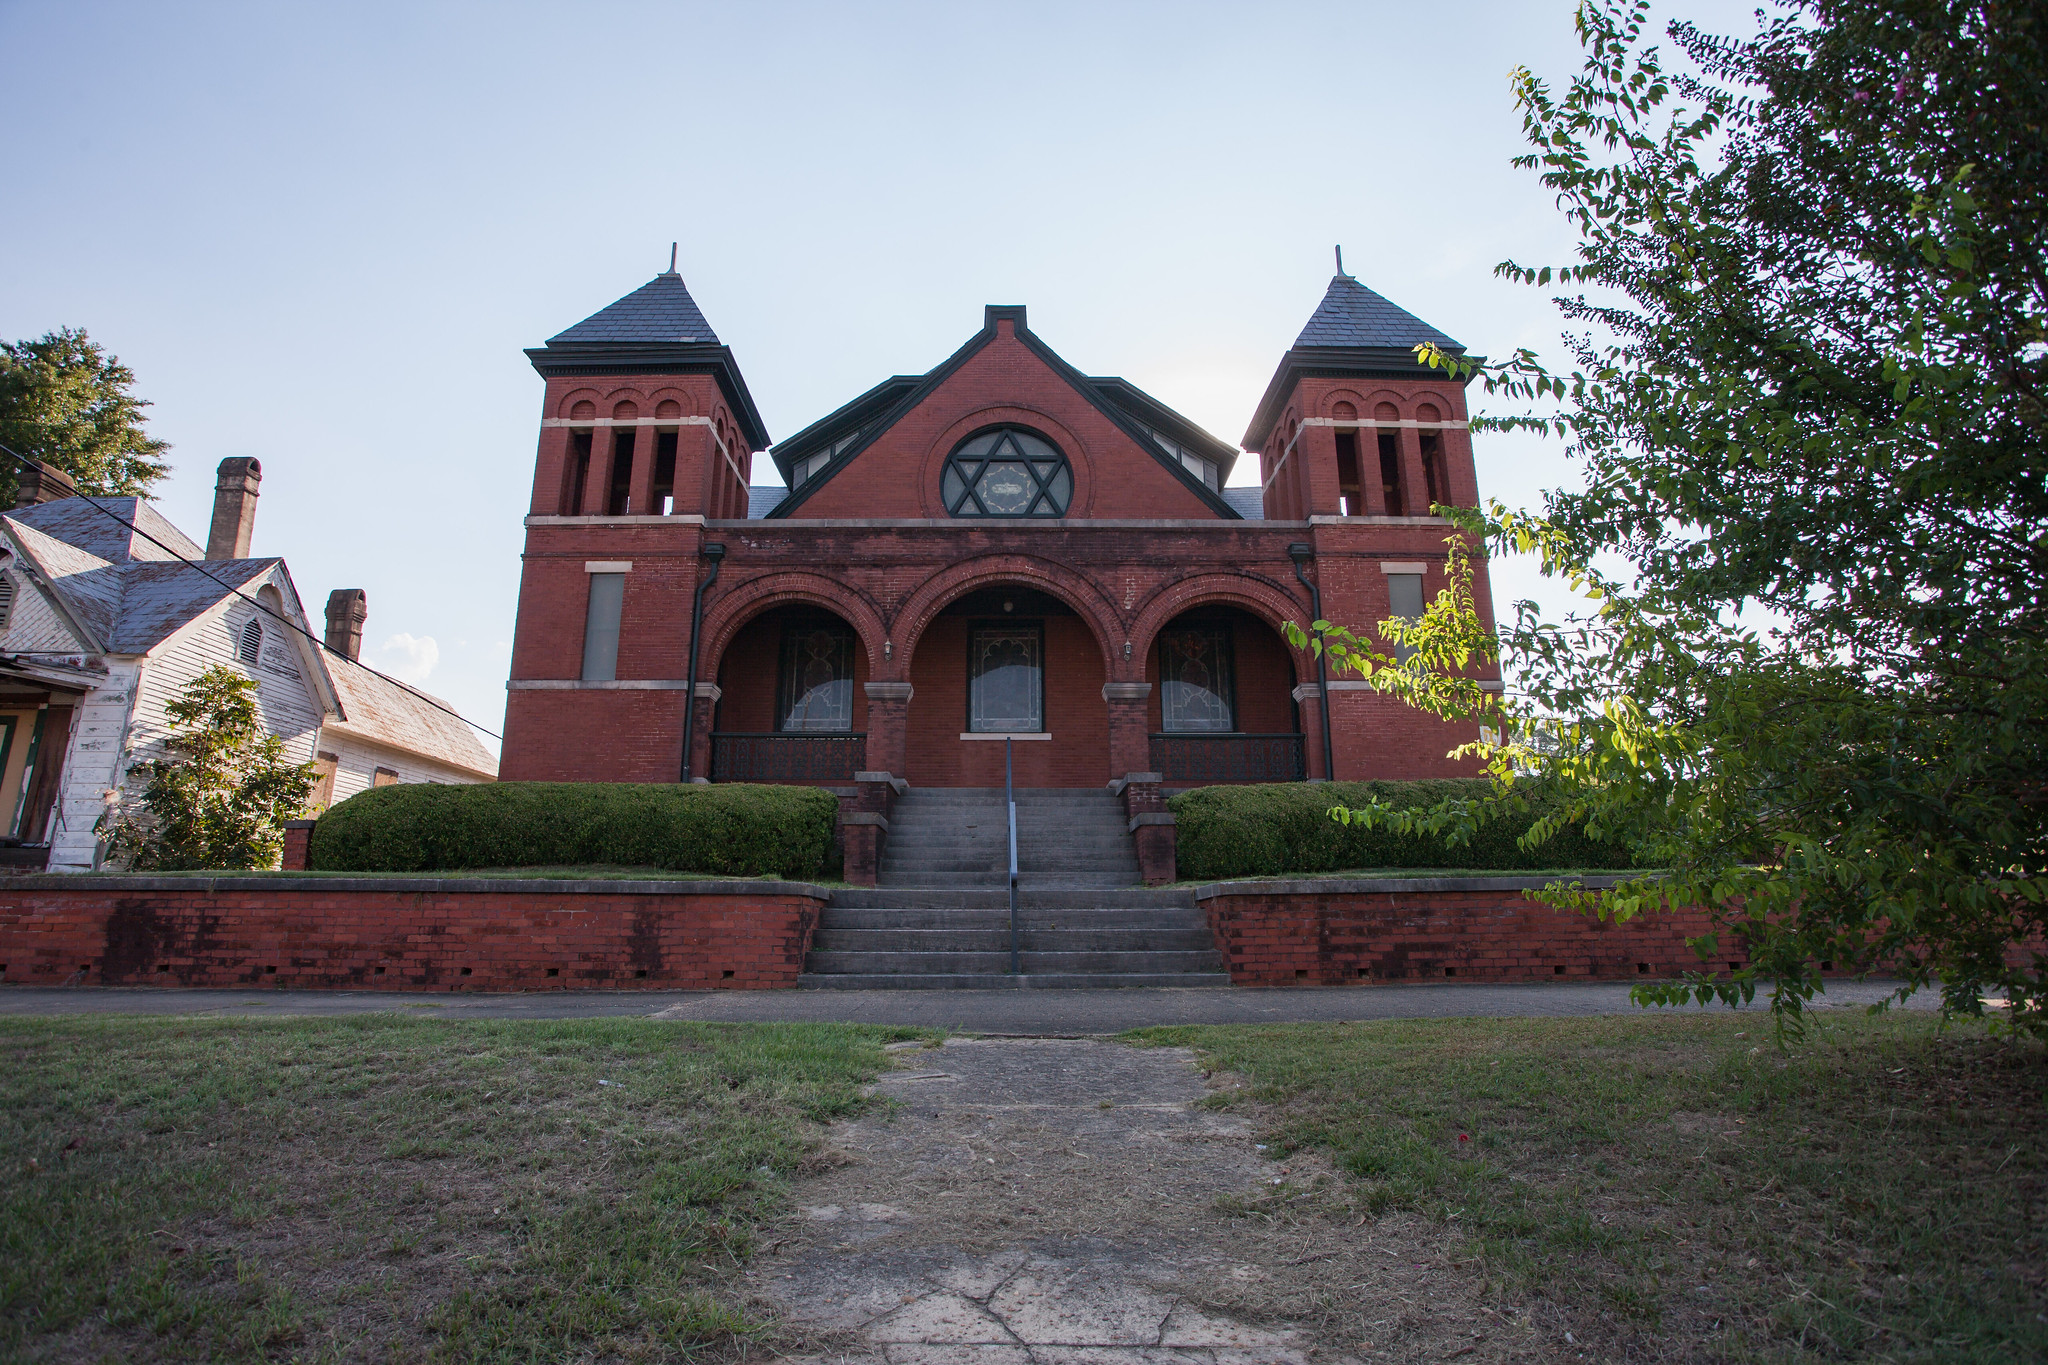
1070 1202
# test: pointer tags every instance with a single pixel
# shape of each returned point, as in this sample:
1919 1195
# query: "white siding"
357 762
107 749
34 627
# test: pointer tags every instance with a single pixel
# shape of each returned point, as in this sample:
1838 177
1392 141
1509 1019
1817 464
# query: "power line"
286 621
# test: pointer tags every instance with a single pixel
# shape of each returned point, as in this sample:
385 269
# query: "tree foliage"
65 401
221 795
1811 347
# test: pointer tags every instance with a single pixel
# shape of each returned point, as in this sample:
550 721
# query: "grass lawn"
385 1188
1879 1191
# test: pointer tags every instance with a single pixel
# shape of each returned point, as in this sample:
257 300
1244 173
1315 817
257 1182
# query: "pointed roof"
83 523
1354 331
656 329
1352 315
659 310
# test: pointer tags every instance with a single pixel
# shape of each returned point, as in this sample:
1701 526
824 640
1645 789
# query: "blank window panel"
1404 598
384 777
601 627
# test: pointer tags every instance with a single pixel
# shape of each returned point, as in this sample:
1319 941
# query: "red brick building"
1001 548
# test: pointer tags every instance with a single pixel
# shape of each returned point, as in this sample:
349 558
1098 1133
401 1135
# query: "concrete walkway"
1021 1012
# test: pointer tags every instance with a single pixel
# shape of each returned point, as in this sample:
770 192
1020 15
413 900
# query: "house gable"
887 449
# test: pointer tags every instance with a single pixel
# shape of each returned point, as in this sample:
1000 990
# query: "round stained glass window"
1008 472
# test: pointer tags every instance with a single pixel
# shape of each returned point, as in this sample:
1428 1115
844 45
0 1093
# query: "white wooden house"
107 611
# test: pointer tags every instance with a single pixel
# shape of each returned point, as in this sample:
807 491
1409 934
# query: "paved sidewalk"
1026 1012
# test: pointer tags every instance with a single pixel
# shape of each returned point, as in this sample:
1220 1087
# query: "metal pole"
1010 795
1301 553
716 554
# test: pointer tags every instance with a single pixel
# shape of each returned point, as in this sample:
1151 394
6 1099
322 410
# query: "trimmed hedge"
732 830
1286 829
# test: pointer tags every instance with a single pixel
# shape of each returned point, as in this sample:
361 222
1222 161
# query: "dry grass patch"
395 1188
1675 1187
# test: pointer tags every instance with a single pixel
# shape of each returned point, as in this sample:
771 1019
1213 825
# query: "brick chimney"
234 509
44 483
346 610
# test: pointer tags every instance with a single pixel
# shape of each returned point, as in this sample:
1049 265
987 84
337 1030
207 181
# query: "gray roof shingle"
762 497
83 524
1250 502
1352 315
660 310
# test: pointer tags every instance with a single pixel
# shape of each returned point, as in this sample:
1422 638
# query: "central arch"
1007 649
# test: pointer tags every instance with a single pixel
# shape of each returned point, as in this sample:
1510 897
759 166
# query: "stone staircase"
940 916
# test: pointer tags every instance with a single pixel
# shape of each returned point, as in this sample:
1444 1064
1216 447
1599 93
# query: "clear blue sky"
321 235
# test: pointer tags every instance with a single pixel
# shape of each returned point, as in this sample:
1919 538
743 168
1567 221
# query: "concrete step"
1028 921
1035 963
883 981
997 940
1030 897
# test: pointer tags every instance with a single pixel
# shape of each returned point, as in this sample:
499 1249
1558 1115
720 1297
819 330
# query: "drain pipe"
716 554
1301 552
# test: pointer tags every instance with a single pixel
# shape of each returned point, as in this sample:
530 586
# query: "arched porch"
1224 701
792 702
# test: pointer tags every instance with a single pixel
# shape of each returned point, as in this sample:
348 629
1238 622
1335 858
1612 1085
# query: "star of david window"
1008 472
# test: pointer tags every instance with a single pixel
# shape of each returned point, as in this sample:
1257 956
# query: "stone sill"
316 882
1352 886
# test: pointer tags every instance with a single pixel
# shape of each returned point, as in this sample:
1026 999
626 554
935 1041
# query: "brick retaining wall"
405 933
1331 930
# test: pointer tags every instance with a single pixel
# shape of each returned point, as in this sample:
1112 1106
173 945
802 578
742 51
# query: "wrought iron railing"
787 757
1229 758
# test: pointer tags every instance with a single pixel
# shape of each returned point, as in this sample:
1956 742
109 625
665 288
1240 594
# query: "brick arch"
1258 596
565 406
730 612
924 604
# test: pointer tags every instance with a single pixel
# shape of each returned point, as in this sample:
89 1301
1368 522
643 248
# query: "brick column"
1369 471
1309 696
298 845
1130 739
1414 483
1151 825
699 738
640 492
597 480
888 726
864 823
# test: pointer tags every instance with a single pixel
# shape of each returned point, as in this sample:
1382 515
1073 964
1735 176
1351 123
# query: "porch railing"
739 757
1230 758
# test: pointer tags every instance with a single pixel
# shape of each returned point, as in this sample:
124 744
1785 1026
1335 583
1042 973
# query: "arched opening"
792 704
1222 704
1015 663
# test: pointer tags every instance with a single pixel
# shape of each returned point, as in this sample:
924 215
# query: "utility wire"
286 621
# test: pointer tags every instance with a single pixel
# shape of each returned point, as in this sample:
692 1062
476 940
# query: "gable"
34 624
1131 457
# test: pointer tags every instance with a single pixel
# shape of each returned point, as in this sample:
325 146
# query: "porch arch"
1254 595
729 613
932 596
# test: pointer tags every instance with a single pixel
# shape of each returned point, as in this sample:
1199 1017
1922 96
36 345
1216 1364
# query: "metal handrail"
1010 795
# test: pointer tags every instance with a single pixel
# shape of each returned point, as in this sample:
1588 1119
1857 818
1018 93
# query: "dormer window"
1205 470
1008 472
810 468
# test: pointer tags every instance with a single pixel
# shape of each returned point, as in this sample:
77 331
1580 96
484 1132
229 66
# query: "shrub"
732 830
1285 828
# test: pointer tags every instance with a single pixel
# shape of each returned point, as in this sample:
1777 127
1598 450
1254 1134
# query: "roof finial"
1340 261
671 258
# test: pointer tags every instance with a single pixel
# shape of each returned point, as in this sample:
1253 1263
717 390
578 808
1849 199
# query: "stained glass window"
1196 691
1005 680
1008 472
814 687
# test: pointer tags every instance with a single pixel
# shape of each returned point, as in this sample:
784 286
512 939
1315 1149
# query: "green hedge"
1286 829
732 830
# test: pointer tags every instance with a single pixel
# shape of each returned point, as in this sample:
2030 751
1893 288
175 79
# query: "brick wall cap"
496 886
1351 886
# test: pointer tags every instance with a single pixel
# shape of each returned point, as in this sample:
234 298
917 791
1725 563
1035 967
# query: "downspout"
716 554
1301 552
